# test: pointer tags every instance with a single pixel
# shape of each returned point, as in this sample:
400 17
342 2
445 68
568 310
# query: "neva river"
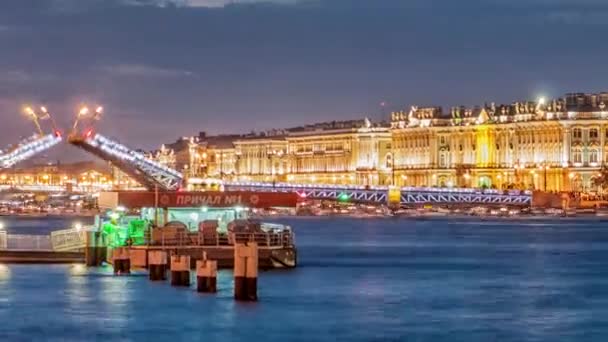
358 280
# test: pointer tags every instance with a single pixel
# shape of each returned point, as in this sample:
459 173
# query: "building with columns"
557 145
553 145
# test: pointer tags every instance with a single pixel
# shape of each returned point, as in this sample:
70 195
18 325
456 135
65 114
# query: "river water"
357 280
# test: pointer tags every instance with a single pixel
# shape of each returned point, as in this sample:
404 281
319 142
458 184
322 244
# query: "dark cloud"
169 68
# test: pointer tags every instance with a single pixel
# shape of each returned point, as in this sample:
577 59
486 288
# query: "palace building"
556 145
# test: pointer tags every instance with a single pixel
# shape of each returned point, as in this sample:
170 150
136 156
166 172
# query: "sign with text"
68 239
250 199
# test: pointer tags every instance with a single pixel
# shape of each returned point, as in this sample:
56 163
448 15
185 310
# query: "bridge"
155 176
379 194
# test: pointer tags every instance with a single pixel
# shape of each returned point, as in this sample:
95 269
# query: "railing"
284 238
68 239
26 242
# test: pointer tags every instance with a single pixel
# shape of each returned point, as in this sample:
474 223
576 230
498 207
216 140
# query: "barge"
191 223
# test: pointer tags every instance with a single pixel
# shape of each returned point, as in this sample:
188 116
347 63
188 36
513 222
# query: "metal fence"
184 238
26 242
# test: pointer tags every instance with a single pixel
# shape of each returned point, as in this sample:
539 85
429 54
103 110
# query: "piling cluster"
159 262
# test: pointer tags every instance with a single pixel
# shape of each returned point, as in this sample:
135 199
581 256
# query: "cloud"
142 70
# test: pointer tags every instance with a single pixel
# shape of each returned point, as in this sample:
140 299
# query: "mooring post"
122 260
246 271
180 270
251 272
157 265
90 252
206 275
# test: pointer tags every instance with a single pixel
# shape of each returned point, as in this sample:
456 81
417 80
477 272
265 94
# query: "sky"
164 69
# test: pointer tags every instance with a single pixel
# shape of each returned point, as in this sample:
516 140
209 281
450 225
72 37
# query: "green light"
343 197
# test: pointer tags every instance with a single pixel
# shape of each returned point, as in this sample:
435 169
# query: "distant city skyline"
166 68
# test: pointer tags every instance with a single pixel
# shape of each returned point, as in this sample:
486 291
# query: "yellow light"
29 111
83 111
571 175
541 100
3 177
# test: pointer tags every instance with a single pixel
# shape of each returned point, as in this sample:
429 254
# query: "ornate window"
388 161
577 156
577 133
593 133
593 156
443 160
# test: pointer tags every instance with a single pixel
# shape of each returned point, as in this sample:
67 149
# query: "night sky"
163 69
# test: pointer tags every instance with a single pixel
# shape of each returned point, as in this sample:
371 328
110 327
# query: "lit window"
593 156
577 156
593 133
442 159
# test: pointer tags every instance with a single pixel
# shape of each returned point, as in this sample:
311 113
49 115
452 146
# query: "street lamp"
32 114
84 112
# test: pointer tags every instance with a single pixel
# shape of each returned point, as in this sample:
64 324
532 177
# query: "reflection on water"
358 280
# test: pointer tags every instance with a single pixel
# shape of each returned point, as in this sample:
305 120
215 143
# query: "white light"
78 226
121 208
238 209
194 216
1 226
204 209
541 101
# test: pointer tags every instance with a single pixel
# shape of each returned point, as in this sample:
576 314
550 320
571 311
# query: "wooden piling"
95 249
180 270
121 260
206 275
157 265
91 252
246 271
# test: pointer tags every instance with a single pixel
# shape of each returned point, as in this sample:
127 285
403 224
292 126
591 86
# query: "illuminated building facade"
354 152
557 145
79 174
261 158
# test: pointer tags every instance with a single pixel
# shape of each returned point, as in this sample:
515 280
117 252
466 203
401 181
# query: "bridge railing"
28 149
296 186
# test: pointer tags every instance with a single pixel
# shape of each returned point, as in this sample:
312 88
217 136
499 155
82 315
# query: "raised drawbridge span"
37 143
148 173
